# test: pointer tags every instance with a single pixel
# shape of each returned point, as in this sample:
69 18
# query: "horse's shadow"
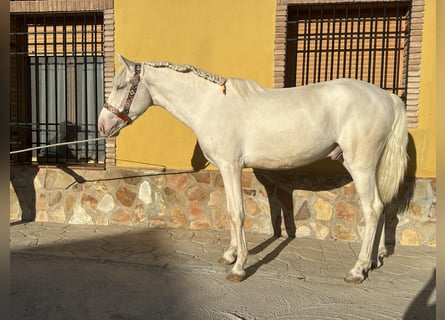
271 256
279 187
22 181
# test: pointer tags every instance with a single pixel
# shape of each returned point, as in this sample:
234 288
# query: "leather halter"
134 86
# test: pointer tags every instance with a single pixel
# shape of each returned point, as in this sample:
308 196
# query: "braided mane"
189 68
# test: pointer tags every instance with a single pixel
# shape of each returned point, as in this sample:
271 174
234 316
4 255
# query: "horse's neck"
181 94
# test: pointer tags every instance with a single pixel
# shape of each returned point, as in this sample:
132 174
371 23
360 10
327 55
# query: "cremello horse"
241 124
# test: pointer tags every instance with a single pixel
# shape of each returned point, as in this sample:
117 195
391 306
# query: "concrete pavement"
61 271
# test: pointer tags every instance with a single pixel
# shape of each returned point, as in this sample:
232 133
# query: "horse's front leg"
238 248
229 255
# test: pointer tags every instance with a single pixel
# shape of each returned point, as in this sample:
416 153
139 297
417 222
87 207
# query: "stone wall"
322 207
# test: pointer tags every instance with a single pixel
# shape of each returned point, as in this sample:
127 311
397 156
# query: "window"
57 86
375 41
362 41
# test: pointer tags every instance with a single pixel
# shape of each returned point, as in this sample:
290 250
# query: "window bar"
45 54
383 65
374 47
29 126
315 54
362 48
326 63
370 32
350 47
16 95
65 63
75 53
303 59
357 38
319 47
94 57
395 80
305 51
308 40
85 71
333 35
37 91
297 36
345 41
56 101
96 96
339 35
388 71
321 43
94 49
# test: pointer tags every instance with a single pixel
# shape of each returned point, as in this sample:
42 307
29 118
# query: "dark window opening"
57 86
366 41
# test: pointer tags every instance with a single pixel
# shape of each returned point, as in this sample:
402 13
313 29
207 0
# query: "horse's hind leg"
382 251
372 207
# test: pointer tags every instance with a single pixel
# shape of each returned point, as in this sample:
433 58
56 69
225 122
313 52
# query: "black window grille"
57 86
366 41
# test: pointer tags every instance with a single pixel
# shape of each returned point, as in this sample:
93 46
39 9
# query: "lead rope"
57 144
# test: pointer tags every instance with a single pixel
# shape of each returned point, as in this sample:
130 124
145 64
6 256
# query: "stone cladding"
307 206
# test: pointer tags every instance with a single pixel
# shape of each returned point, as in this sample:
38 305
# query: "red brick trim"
59 5
110 145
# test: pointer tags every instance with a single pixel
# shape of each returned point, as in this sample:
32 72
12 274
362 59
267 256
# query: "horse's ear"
124 61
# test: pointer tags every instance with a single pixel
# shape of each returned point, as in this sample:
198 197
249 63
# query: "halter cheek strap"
134 86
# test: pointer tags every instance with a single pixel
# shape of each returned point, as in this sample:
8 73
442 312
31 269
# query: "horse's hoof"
377 264
234 277
224 261
356 279
380 259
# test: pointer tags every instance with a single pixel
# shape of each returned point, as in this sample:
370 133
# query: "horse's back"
295 126
331 103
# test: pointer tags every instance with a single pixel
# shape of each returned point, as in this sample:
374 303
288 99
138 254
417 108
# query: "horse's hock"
321 207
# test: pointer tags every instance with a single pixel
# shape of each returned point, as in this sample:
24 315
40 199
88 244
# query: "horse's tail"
394 160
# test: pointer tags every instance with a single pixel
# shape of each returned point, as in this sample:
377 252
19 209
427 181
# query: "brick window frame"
414 55
107 6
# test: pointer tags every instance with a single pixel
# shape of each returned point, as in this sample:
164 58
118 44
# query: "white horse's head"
129 98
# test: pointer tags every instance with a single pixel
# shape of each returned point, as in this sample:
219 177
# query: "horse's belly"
285 158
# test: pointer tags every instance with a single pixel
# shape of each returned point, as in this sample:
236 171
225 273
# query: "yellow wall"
424 135
234 39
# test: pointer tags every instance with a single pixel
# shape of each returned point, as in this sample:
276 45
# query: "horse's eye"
121 86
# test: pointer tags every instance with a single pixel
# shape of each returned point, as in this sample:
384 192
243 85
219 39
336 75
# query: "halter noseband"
134 86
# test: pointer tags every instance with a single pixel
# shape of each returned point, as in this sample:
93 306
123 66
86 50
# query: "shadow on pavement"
420 307
95 278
